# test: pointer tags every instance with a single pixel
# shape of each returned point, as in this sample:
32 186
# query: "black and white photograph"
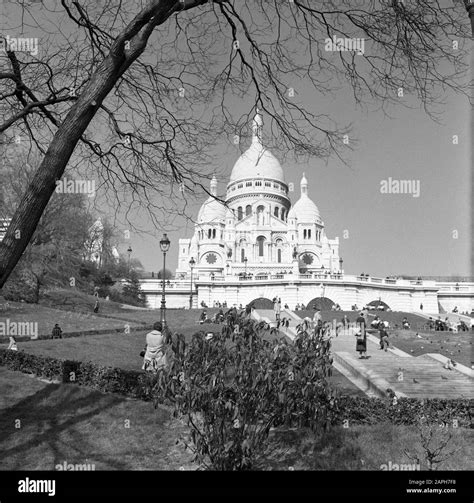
236 236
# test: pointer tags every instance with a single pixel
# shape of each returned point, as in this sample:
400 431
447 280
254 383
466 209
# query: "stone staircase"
415 377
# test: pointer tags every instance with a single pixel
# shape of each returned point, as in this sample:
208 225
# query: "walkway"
415 377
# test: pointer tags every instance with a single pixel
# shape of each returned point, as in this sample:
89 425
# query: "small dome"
304 209
212 211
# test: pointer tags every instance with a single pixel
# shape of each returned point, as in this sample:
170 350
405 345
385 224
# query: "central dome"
257 161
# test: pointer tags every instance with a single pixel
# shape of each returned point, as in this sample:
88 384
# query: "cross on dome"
304 185
257 125
214 185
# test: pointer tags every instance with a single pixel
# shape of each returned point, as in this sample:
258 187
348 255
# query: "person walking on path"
361 344
96 306
57 333
155 356
384 344
277 308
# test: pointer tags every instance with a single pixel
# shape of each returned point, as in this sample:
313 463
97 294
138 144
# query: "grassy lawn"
456 346
66 423
61 422
46 317
123 351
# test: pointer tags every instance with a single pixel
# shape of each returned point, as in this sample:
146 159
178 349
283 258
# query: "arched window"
260 242
242 255
279 255
248 210
214 233
309 233
239 213
209 231
276 211
260 210
282 214
304 234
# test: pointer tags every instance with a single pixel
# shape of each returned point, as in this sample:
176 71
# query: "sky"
380 233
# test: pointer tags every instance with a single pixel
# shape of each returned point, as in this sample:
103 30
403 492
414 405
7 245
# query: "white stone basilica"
258 232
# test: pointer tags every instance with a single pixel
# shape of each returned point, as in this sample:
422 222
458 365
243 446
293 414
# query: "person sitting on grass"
57 333
203 317
155 356
12 345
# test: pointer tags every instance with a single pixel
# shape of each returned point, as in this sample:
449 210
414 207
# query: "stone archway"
261 303
321 304
378 305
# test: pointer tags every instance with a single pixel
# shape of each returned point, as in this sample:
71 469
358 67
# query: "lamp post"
129 256
245 263
192 263
165 246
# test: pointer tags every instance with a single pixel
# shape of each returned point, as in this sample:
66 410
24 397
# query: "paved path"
416 377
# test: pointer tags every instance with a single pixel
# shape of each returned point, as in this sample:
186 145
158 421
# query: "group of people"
217 318
220 305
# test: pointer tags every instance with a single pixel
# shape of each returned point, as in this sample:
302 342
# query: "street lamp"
245 262
129 256
165 246
192 263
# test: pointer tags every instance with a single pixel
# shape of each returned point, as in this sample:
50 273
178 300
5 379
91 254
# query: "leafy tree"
168 274
132 289
143 121
54 254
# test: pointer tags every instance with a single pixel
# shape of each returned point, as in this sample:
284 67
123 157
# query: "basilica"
258 232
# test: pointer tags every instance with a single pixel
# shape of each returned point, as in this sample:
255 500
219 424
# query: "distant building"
260 231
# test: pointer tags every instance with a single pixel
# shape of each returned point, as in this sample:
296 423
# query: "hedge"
137 384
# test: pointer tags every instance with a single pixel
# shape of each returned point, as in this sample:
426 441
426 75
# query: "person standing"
155 356
277 308
361 344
